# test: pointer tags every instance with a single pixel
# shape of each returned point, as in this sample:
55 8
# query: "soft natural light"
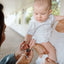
10 19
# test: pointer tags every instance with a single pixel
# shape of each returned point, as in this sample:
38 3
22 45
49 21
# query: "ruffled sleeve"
52 17
31 26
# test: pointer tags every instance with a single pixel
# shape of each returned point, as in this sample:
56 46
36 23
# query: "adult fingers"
22 43
50 61
21 60
30 56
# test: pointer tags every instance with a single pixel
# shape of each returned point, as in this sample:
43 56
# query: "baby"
40 28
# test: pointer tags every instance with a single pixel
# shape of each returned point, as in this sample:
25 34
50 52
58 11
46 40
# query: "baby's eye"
43 13
36 13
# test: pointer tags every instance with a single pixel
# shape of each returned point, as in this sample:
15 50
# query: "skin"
40 49
22 58
28 38
49 61
60 26
38 17
41 13
25 60
19 53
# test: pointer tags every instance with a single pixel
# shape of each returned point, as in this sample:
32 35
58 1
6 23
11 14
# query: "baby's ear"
50 11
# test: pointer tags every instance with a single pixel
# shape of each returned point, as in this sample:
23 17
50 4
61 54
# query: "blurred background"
17 16
19 12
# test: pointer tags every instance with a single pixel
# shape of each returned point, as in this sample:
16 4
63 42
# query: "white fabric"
41 60
57 40
43 33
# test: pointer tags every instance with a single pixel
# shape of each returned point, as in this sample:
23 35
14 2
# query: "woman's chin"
3 39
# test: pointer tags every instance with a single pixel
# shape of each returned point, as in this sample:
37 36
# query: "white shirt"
57 40
41 31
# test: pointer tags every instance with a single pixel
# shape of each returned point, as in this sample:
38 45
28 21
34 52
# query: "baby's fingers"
32 43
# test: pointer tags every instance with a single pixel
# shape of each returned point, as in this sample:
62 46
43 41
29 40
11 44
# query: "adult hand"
25 60
21 50
18 54
24 45
40 49
49 61
60 26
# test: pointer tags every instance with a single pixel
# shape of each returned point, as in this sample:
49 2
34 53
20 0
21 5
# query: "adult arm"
58 18
25 60
51 49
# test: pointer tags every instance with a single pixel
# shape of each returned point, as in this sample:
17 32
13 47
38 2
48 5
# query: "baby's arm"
52 51
28 38
26 42
58 18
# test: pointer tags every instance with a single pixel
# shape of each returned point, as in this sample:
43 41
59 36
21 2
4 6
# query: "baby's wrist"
26 42
35 46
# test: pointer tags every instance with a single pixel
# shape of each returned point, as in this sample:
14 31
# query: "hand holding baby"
40 49
24 59
49 61
27 54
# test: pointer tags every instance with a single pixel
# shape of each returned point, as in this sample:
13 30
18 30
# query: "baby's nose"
39 16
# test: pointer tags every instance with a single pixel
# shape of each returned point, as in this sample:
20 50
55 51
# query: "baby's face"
41 13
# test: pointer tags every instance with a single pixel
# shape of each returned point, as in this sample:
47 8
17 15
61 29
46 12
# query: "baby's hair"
41 2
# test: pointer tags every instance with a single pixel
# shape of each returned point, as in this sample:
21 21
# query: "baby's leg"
40 49
52 51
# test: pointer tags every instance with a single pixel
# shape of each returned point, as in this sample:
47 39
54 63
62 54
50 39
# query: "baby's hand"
24 46
32 43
